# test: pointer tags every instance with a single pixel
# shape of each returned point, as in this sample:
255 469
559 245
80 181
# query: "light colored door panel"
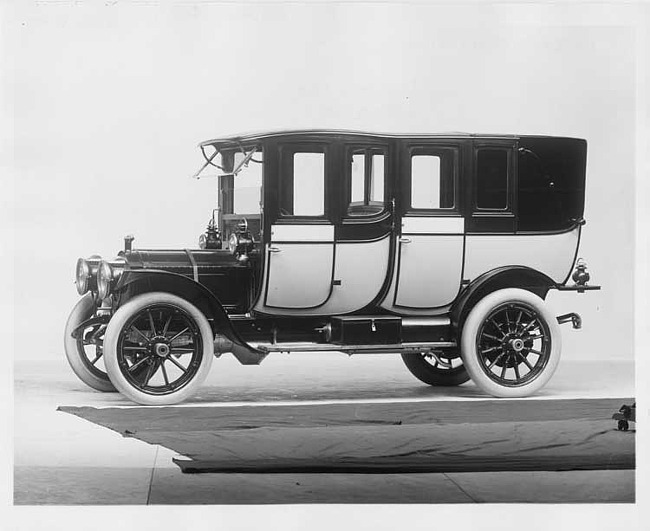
430 270
302 233
300 266
433 225
300 275
359 284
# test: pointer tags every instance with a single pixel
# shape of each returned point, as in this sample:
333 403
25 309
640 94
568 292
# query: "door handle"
275 250
404 240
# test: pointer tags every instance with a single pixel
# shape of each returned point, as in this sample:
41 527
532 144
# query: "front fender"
136 282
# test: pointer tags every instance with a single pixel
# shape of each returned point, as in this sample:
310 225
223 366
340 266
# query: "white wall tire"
511 343
83 354
158 349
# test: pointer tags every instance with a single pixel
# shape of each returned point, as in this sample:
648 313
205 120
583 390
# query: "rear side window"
492 179
303 184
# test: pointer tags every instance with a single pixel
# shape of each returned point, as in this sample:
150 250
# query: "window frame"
285 180
369 150
446 152
509 178
488 221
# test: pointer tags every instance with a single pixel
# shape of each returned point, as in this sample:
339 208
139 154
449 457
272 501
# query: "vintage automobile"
441 248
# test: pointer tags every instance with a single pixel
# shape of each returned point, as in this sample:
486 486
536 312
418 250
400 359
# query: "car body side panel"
551 254
300 275
429 271
354 287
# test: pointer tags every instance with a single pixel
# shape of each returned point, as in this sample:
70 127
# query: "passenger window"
432 181
306 188
358 173
377 180
366 192
492 179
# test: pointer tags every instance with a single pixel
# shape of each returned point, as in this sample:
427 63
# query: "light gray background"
111 102
107 102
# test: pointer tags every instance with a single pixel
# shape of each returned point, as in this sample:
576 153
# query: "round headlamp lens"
82 275
233 243
104 278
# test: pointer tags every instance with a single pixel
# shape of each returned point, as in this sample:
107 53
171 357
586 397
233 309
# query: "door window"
366 173
432 179
303 185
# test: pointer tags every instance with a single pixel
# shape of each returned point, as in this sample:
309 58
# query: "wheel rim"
159 350
513 344
90 348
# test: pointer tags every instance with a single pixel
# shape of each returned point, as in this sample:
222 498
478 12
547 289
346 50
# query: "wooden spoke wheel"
158 349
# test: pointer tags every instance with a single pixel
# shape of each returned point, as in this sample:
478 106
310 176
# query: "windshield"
239 176
247 185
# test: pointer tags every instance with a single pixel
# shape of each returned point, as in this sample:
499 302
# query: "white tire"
83 354
511 343
158 349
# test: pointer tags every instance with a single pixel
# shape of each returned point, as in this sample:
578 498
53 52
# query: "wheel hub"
517 344
513 343
161 349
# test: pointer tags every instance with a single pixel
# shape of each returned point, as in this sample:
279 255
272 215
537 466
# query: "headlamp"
82 276
233 243
104 279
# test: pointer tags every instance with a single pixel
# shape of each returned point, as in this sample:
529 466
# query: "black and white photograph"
370 265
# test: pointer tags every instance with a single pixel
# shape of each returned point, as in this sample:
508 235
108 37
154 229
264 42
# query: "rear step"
399 348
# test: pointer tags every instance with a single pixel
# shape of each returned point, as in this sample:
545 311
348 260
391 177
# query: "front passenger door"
300 255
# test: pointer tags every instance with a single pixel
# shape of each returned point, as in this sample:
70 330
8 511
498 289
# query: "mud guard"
501 278
135 282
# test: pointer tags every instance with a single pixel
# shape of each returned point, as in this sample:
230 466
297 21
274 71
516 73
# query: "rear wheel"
85 353
158 349
443 369
511 343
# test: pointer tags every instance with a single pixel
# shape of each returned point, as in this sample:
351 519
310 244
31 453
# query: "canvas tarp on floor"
427 436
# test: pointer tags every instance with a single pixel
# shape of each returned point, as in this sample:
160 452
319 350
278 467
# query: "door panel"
430 249
302 233
433 225
430 261
300 266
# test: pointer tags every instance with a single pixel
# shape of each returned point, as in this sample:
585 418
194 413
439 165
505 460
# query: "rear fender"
501 278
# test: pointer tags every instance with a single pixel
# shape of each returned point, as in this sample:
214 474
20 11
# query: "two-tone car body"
441 248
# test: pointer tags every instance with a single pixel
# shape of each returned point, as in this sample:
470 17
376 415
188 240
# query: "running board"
400 348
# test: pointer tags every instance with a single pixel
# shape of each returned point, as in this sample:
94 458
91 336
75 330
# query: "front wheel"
511 343
158 349
84 354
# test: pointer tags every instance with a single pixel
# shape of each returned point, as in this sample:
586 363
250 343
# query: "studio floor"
62 459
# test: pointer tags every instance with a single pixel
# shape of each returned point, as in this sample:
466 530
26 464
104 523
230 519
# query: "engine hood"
230 281
183 262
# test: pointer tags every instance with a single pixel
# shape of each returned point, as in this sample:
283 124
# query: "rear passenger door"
431 241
